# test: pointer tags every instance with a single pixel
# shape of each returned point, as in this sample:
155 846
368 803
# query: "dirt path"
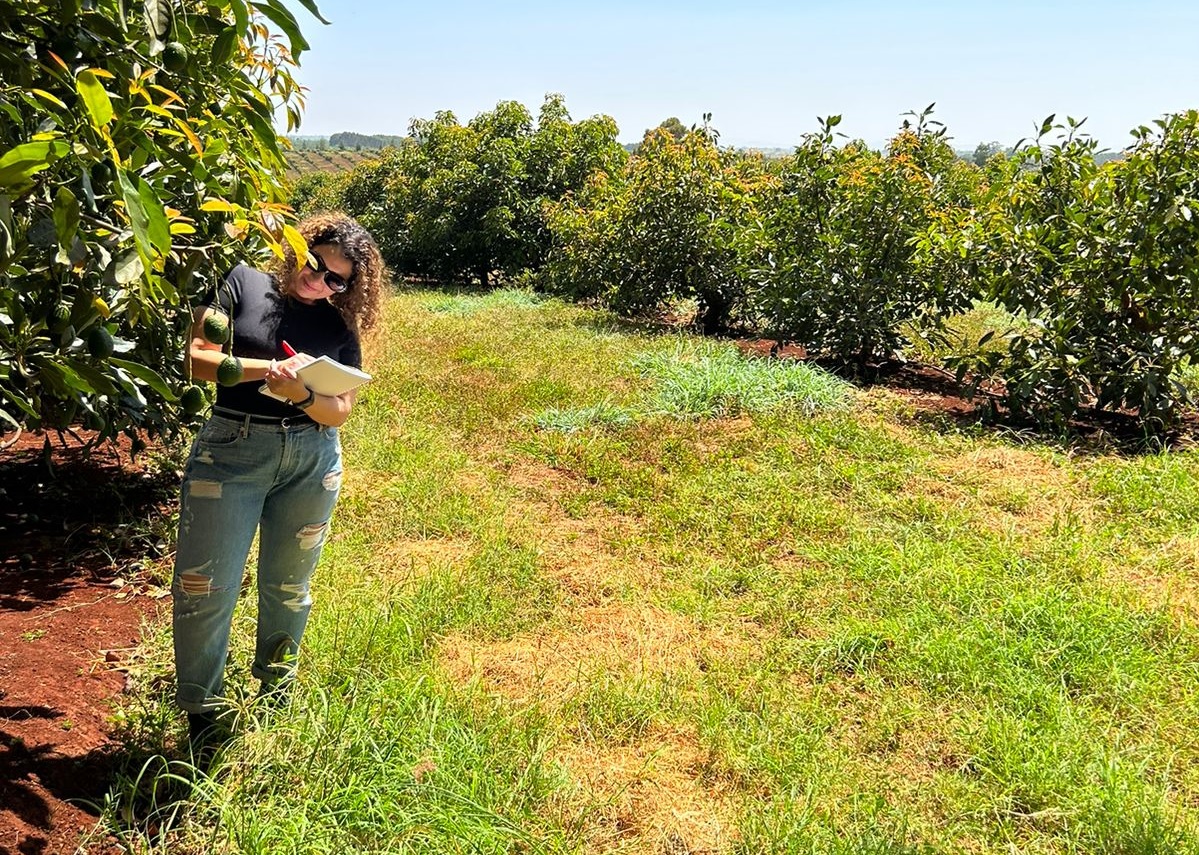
79 542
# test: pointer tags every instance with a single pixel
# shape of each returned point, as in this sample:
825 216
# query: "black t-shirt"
262 319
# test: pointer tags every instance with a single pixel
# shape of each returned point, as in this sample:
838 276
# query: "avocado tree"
138 161
837 269
1103 259
466 201
664 228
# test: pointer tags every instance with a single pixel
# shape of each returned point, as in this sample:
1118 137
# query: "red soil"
75 537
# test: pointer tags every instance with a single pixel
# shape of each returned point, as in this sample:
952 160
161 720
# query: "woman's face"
312 283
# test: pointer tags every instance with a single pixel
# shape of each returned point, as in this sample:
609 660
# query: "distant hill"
301 161
349 139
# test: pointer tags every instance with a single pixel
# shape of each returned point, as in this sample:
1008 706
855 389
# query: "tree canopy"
140 162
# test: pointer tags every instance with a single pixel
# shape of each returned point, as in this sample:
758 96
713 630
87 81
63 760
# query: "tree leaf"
139 220
263 132
310 5
46 96
66 216
224 47
18 164
158 17
286 21
100 381
191 136
241 15
5 417
20 403
146 215
128 268
160 229
95 98
147 375
297 243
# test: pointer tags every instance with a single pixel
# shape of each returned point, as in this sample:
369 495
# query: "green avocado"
99 343
229 372
216 328
60 318
174 57
192 400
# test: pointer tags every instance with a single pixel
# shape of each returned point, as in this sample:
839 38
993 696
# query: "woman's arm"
331 410
203 356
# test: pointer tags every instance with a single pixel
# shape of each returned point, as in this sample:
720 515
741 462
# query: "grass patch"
602 414
713 380
469 304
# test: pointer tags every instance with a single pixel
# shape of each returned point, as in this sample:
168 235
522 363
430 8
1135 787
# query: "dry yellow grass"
651 797
1009 491
648 794
635 640
1167 577
594 559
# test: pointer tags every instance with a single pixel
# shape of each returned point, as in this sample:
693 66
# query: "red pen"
288 349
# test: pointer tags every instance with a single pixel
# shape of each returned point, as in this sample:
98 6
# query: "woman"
261 464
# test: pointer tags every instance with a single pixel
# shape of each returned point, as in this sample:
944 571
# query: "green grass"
705 380
592 589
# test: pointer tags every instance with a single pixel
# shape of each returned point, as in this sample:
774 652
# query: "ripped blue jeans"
282 480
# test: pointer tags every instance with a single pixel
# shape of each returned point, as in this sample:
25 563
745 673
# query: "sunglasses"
333 281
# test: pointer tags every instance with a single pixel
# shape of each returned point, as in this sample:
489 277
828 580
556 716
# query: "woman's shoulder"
244 275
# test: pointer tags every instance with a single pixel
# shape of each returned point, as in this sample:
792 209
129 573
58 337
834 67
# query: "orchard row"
848 251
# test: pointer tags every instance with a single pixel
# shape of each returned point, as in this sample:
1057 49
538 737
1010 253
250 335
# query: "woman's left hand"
282 380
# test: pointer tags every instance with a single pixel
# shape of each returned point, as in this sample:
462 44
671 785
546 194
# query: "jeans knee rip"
194 583
332 481
312 535
204 489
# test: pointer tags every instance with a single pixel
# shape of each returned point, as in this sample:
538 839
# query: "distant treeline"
360 142
349 139
345 140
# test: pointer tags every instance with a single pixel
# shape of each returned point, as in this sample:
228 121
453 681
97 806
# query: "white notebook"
325 376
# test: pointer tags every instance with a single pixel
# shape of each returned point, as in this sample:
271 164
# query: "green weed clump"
701 380
568 420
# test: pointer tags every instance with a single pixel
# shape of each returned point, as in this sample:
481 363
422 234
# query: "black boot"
207 733
276 696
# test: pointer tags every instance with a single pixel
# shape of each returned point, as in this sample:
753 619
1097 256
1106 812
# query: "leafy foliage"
1089 260
836 267
1104 261
140 160
664 229
461 202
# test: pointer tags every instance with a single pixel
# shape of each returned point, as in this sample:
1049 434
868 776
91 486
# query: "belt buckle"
285 422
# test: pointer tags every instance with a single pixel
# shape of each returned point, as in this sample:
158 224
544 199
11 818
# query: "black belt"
298 420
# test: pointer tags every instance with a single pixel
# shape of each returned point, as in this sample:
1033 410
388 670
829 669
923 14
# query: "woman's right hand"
282 379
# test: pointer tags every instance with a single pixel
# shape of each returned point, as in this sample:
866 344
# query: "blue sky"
764 70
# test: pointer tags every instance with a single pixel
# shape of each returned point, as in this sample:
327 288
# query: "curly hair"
361 305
